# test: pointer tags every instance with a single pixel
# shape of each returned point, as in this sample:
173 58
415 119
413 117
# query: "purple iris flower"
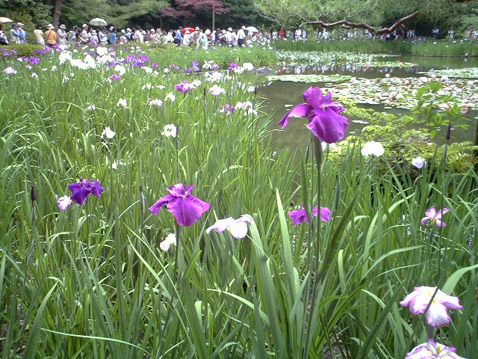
34 60
185 208
143 58
184 87
80 191
233 66
195 66
115 77
300 216
155 65
227 109
323 114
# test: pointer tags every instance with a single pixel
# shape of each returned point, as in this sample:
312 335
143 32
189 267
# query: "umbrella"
98 22
5 20
190 29
252 29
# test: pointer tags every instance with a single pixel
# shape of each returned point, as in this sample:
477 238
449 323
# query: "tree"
216 7
285 13
120 13
57 12
242 12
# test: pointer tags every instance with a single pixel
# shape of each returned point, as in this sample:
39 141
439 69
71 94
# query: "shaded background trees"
446 14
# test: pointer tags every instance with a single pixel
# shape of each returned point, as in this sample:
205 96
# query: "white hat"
62 26
229 29
84 25
20 24
128 29
50 26
207 32
122 31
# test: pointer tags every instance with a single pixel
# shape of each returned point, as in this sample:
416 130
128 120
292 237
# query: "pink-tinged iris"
80 191
185 208
300 216
433 350
236 227
323 114
434 217
437 313
63 203
184 87
115 77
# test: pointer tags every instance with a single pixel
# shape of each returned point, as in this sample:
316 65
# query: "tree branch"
345 23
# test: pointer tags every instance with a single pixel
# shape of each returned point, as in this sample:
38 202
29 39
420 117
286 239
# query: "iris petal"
301 110
328 126
187 211
161 203
79 196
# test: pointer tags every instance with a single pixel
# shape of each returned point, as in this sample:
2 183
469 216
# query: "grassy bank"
417 47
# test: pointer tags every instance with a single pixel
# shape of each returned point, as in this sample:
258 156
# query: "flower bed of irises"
145 216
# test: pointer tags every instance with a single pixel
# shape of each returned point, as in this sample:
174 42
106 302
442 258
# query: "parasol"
190 29
98 22
252 29
5 20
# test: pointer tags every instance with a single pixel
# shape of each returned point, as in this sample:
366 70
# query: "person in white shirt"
139 35
61 35
241 35
39 35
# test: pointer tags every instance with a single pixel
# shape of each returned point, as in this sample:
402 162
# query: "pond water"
280 96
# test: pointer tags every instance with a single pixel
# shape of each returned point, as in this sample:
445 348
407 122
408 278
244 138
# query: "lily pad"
311 78
466 73
357 59
400 92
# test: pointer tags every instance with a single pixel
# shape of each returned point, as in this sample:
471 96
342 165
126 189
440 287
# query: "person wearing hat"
62 35
84 38
14 34
241 36
195 38
51 36
39 35
94 37
123 39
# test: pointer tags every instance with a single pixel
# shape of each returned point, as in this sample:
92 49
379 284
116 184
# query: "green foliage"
24 49
436 110
242 13
93 283
420 48
118 13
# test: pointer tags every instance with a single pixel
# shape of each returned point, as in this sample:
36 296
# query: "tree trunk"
57 13
213 18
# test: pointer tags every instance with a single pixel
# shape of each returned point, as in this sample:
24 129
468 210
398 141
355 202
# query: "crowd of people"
191 37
